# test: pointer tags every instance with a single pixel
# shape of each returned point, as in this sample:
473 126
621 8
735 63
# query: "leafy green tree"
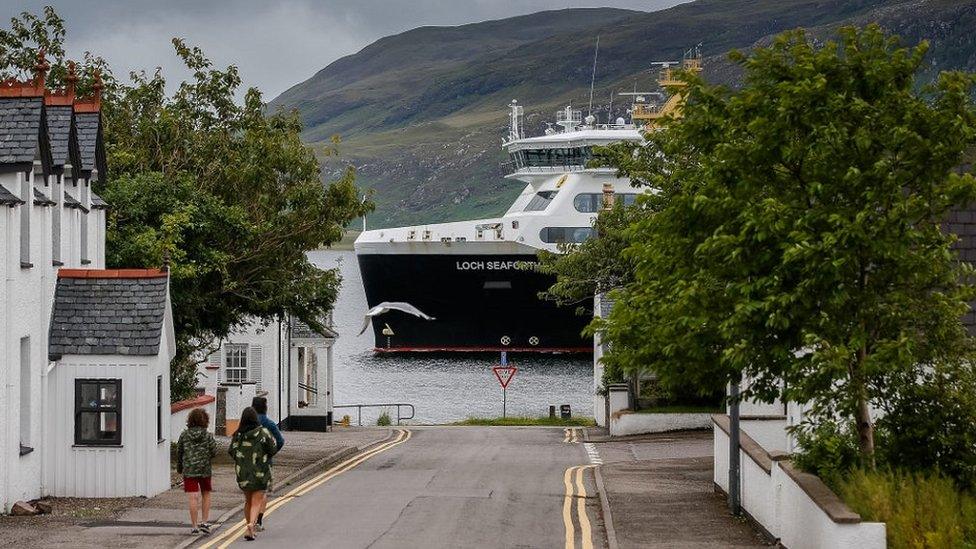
210 184
795 237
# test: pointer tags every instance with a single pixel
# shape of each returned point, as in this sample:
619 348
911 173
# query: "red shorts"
197 484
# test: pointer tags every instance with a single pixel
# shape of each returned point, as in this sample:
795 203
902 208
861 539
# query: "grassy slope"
423 113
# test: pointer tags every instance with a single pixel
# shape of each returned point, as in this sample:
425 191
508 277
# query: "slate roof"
108 312
59 133
72 202
98 203
20 124
87 126
40 199
8 198
301 330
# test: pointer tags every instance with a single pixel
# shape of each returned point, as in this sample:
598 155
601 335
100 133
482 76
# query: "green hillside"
422 113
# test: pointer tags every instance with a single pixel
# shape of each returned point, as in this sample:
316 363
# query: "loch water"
442 387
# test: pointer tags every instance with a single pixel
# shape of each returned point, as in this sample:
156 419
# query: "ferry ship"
474 283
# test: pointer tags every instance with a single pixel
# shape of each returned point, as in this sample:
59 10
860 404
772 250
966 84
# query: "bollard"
565 412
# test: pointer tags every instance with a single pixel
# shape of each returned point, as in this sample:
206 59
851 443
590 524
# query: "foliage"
528 421
384 419
209 183
829 450
795 238
919 510
929 424
594 266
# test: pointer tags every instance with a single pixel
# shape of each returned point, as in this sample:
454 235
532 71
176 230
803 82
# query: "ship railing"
398 405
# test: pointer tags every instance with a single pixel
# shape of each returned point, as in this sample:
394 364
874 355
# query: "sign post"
504 373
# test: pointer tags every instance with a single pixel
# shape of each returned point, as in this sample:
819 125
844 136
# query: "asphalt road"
448 487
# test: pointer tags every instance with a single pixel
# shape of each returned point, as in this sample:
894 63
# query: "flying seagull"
388 306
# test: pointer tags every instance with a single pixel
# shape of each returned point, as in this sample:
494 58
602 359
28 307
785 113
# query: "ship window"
548 158
565 235
593 202
540 201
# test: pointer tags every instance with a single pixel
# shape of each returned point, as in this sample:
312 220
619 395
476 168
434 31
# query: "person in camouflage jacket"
195 450
251 447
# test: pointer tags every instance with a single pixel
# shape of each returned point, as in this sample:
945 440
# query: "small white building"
111 344
285 361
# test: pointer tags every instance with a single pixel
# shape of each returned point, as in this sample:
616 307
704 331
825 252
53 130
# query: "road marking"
230 536
571 436
592 453
580 497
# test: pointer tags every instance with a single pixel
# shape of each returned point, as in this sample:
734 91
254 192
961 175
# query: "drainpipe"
278 396
289 367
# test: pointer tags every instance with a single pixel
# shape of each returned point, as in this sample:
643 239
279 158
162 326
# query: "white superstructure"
559 203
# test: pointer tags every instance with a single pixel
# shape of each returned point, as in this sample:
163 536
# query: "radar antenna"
515 125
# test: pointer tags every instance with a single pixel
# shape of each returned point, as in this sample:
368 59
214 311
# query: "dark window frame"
81 408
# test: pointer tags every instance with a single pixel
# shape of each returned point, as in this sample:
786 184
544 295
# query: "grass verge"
920 510
529 421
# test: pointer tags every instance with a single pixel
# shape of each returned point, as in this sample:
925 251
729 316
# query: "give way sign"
504 374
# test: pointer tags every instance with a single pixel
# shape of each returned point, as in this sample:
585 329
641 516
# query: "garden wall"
793 507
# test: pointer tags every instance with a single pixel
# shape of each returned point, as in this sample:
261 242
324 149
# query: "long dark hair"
249 421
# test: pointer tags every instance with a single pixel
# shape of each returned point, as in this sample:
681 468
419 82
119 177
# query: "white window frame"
235 360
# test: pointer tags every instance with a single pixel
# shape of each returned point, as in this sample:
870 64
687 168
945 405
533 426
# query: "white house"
49 219
111 343
285 361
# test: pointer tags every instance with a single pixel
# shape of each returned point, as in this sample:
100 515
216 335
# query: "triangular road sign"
504 374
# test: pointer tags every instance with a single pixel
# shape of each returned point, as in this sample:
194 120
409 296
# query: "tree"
222 192
796 235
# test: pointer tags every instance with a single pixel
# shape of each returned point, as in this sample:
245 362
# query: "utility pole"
735 494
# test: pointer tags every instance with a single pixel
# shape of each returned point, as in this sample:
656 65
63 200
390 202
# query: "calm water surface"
443 387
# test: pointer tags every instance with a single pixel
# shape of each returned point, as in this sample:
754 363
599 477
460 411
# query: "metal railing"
399 417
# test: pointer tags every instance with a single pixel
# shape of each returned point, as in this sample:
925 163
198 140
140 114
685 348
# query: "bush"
384 419
920 510
930 424
829 450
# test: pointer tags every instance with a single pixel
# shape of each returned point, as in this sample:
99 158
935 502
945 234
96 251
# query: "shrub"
920 510
829 450
384 419
930 424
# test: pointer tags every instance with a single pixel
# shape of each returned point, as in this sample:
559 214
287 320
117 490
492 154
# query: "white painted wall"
782 507
177 421
140 467
630 423
26 297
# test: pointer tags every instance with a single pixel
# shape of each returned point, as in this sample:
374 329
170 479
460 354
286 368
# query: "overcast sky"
275 43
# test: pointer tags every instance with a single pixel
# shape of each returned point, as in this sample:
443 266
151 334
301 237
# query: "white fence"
794 507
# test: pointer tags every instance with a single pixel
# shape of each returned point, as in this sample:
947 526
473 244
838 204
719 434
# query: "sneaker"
205 529
195 532
259 527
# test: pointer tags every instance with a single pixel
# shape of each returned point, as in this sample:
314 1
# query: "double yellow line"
230 536
586 533
571 436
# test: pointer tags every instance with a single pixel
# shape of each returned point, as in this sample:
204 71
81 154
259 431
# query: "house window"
25 396
235 363
159 408
98 412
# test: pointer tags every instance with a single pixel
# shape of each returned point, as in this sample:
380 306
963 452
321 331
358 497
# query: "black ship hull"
479 303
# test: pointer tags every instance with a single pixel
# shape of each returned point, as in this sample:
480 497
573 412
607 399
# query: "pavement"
660 493
444 487
163 521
